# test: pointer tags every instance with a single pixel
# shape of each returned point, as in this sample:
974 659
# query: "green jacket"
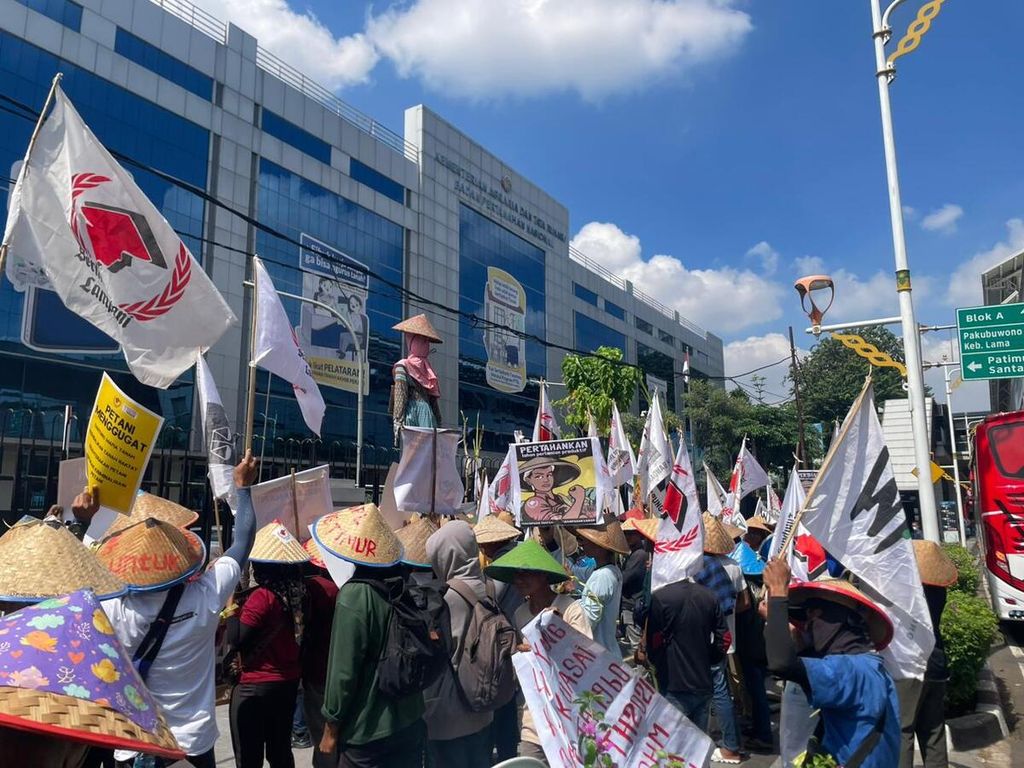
351 697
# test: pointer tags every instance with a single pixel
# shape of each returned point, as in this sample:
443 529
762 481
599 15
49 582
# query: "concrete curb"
986 725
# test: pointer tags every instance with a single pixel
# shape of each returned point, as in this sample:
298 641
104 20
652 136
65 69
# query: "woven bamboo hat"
150 505
842 592
645 526
566 541
607 536
316 556
717 540
418 325
275 544
733 531
760 524
69 677
935 566
151 555
491 530
38 561
413 537
359 535
564 471
527 556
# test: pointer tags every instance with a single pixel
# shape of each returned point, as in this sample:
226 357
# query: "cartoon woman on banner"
543 475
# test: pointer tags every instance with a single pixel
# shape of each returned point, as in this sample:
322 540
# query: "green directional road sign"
991 341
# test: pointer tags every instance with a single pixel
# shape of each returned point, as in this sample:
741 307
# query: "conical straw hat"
71 678
566 541
717 540
645 526
38 561
759 523
527 556
150 505
359 535
275 544
935 566
152 555
844 593
491 530
418 325
607 536
413 537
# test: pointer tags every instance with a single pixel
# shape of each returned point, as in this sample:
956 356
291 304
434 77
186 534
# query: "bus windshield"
1006 442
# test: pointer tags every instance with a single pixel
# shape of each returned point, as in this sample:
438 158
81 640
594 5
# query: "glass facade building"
423 221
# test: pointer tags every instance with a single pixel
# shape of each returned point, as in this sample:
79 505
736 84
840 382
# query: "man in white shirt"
181 676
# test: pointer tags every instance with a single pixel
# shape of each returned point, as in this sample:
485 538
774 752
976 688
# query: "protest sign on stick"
296 500
644 729
562 482
118 444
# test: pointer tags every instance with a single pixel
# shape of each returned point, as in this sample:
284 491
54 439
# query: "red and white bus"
998 485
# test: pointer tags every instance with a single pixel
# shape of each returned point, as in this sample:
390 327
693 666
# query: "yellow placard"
118 445
938 473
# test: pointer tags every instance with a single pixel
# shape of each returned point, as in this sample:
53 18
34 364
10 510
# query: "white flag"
591 425
277 350
654 461
499 492
752 474
621 461
545 427
791 503
80 226
562 664
679 548
220 445
716 493
854 510
773 507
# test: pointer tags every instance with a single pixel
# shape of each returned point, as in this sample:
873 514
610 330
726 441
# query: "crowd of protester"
408 662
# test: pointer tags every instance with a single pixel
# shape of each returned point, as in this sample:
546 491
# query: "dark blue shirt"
714 576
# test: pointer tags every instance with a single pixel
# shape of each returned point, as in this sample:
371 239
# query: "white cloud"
769 256
484 48
965 282
943 220
301 40
909 212
753 352
808 265
724 301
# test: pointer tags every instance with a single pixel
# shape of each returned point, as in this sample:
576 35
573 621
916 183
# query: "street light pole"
884 72
947 370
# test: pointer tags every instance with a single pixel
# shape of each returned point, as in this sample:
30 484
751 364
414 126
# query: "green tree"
593 383
831 376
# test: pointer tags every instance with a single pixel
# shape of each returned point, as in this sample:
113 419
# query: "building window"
299 138
152 58
659 365
591 334
667 338
62 11
644 326
376 180
585 294
614 310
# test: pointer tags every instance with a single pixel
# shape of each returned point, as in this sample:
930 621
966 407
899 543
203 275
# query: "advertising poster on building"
563 482
118 444
505 313
295 502
332 348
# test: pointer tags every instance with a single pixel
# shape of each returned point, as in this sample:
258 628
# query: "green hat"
527 556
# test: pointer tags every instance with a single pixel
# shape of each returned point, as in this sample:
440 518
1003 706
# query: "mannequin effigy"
415 392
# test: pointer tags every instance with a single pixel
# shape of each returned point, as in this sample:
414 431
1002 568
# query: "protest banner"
559 481
644 729
427 479
296 507
118 444
71 479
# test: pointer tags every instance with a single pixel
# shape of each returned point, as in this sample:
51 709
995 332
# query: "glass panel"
614 310
376 180
62 11
299 138
1007 443
591 334
585 294
643 325
152 58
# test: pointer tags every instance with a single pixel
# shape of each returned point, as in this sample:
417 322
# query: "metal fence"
32 445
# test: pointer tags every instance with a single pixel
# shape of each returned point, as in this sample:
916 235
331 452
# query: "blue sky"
712 150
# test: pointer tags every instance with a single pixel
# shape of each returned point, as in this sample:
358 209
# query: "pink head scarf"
418 366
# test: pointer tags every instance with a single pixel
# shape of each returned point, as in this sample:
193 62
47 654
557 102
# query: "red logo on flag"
116 237
675 499
807 548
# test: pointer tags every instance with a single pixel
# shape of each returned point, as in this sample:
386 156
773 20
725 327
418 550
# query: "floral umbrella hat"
64 672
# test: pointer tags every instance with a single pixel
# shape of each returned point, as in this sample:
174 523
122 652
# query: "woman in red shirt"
271 627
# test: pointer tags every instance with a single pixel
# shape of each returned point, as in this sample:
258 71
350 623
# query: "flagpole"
250 411
847 423
31 143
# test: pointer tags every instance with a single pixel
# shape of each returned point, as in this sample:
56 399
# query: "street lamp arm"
886 27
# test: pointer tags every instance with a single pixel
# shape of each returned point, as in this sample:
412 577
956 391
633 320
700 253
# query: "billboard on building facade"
332 348
505 313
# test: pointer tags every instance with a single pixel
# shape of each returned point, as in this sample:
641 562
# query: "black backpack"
414 653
